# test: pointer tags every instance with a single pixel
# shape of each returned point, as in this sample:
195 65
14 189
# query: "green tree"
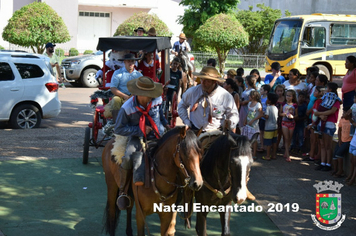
222 32
198 11
34 25
258 24
146 21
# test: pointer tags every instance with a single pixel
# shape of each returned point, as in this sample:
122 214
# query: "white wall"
118 14
6 11
68 10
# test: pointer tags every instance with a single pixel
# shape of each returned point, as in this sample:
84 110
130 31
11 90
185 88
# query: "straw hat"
145 86
182 36
209 72
231 72
152 31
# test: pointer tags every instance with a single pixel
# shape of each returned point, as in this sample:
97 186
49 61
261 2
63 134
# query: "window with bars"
94 14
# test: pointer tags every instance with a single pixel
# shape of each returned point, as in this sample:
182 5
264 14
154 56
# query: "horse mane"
220 150
190 140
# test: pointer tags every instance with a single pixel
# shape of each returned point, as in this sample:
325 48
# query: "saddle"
118 151
207 138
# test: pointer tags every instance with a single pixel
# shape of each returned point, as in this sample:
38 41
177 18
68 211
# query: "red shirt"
148 69
333 117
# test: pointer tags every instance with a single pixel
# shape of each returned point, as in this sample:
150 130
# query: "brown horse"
174 164
225 168
188 69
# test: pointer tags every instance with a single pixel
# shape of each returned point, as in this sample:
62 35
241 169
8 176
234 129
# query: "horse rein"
181 167
221 193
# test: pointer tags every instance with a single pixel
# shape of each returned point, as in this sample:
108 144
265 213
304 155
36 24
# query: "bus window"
313 39
284 38
343 34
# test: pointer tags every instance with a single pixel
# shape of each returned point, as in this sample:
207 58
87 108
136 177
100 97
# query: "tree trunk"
222 58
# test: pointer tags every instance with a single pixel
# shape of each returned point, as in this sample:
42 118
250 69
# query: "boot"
138 168
124 201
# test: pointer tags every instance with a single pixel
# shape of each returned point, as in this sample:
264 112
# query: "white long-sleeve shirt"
223 107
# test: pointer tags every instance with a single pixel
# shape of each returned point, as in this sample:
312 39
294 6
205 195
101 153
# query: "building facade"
87 20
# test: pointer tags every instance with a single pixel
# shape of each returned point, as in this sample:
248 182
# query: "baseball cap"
50 45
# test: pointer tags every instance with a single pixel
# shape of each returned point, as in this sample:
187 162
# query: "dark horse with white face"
225 168
174 164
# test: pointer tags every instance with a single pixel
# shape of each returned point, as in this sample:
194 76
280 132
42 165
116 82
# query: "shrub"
88 52
145 20
73 52
1 47
59 52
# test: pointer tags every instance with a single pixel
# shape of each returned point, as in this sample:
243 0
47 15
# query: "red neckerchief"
142 123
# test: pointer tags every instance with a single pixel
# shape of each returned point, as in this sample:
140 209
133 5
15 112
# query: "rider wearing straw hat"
210 105
180 44
140 116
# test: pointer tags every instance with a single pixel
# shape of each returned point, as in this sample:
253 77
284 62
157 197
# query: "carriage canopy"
134 43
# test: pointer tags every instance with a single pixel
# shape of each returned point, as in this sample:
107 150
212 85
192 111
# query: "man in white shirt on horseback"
210 105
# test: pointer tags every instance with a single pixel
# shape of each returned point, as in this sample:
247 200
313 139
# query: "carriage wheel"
95 127
173 110
86 145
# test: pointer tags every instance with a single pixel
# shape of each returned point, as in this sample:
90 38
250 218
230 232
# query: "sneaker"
61 85
108 129
326 168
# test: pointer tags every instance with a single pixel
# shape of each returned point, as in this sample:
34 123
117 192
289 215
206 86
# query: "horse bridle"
222 193
179 163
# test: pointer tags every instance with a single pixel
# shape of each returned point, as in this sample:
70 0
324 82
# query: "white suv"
28 89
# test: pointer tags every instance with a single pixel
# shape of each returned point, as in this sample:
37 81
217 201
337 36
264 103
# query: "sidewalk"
278 181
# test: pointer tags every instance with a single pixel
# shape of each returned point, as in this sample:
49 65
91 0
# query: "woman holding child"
331 118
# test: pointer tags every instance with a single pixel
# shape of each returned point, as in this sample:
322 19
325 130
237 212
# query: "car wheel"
88 78
25 116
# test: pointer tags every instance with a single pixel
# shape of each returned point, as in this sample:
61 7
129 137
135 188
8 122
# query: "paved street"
272 182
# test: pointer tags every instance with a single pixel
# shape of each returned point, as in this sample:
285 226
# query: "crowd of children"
296 110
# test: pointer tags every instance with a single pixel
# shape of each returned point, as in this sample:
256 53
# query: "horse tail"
111 223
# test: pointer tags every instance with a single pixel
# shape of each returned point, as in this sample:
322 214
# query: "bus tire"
325 70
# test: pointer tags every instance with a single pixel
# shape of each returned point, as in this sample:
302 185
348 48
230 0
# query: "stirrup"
124 202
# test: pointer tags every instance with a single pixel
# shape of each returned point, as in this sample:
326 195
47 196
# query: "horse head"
188 157
240 164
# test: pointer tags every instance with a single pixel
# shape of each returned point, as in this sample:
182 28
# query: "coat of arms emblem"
328 205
